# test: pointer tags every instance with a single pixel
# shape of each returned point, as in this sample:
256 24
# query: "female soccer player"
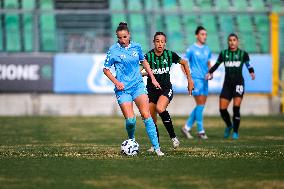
199 56
161 60
125 57
233 87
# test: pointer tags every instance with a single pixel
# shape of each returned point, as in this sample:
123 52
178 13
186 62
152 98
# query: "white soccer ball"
130 147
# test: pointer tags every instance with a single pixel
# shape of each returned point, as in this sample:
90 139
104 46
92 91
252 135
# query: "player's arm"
251 70
209 75
249 67
185 69
109 62
150 73
119 85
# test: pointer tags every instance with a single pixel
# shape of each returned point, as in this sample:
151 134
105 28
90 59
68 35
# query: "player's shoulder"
190 48
207 48
114 47
243 51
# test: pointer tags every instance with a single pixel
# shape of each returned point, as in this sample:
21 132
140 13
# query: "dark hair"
159 33
233 35
198 29
122 26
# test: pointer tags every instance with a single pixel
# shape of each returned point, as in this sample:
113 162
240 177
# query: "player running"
125 56
233 87
199 56
161 60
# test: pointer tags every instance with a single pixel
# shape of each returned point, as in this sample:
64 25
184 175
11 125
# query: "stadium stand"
28 26
177 21
47 27
12 25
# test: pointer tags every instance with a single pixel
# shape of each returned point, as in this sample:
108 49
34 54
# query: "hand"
209 76
156 84
190 87
252 75
119 85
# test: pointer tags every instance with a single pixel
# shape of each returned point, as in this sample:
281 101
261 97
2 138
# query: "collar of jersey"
120 46
233 51
199 46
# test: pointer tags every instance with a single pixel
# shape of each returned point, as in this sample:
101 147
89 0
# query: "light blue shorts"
131 94
200 87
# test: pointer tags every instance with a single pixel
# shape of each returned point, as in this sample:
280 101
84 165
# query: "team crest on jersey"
165 61
237 56
134 54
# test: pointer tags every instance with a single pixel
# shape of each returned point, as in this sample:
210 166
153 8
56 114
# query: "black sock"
157 130
236 118
166 118
226 117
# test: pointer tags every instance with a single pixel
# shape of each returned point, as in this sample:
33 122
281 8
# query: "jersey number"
240 89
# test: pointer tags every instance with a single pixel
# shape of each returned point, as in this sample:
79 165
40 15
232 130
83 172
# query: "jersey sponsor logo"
161 70
233 63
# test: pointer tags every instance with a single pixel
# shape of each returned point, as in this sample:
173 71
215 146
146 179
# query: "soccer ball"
130 147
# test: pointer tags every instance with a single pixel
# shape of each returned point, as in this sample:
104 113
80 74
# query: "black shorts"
232 89
154 94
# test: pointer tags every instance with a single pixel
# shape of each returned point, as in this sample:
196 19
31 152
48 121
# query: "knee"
145 114
160 109
223 111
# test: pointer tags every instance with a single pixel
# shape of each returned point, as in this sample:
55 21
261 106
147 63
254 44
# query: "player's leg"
126 105
238 93
186 129
142 104
236 116
200 104
223 104
162 105
153 113
153 96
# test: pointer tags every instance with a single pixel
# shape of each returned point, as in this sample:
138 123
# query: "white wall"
91 105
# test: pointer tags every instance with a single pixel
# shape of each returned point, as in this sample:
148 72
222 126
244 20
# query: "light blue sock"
191 119
199 118
151 131
130 124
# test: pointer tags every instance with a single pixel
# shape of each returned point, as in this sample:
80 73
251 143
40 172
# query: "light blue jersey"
198 57
126 62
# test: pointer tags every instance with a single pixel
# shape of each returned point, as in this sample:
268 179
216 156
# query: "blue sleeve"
209 55
109 61
140 54
188 54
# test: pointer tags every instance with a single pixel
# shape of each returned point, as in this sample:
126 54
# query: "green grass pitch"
84 152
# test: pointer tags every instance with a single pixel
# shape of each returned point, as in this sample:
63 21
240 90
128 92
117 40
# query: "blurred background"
52 51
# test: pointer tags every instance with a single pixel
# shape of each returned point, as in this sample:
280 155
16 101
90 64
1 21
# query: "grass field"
84 152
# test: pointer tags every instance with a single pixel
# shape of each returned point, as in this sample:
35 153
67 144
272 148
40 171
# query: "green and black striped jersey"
161 66
233 62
